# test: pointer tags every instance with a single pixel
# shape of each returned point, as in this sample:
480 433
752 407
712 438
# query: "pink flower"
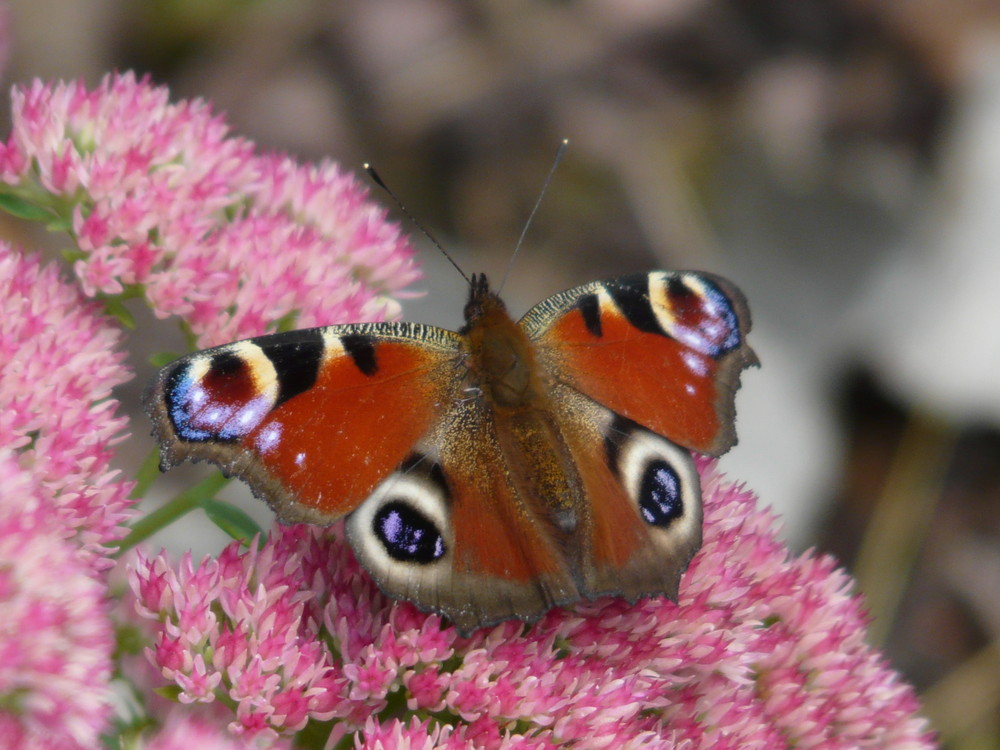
242 628
61 359
416 735
160 195
55 637
760 651
185 731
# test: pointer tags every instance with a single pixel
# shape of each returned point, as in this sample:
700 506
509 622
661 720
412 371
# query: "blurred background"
838 159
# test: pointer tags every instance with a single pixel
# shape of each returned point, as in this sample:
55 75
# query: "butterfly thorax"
501 358
503 370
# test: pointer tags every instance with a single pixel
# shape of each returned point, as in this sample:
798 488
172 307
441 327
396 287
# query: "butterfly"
491 473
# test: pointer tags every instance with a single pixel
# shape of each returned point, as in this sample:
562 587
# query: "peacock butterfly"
494 472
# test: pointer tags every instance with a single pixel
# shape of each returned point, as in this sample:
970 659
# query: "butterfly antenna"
545 186
399 204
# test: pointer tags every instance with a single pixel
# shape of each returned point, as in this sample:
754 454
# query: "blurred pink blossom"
55 637
761 651
160 203
184 731
61 506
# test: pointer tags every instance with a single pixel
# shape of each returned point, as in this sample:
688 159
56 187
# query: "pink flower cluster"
761 651
61 358
158 194
160 203
239 626
60 506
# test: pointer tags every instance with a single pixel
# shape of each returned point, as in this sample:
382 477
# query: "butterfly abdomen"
503 369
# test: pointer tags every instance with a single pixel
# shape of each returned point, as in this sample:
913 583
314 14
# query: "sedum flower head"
61 358
158 194
160 202
761 651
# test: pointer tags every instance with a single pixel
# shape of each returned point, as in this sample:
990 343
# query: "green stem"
165 515
148 472
902 518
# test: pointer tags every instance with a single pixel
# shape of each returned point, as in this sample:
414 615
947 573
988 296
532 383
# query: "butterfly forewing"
664 349
312 420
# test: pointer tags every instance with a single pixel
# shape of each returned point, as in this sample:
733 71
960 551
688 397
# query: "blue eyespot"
719 305
660 494
407 534
184 396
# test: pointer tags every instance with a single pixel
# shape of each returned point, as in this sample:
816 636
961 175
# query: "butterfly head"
483 302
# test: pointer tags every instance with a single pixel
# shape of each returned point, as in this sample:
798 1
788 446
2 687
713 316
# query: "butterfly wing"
641 521
663 349
360 420
312 420
642 368
449 532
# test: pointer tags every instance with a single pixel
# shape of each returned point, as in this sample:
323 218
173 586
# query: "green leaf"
231 520
185 502
170 692
132 291
23 209
129 639
161 359
114 307
60 224
286 322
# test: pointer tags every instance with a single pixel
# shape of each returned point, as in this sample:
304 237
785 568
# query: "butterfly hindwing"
643 501
664 349
312 420
449 532
455 532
